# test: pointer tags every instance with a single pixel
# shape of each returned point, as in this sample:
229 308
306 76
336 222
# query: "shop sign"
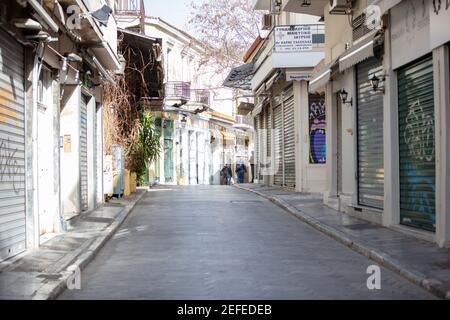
293 38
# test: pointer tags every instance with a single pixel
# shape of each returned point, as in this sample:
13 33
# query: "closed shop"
370 135
12 148
289 138
168 150
417 144
83 153
257 124
278 142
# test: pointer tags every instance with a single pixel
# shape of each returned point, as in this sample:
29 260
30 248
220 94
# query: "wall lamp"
306 3
183 122
375 83
344 97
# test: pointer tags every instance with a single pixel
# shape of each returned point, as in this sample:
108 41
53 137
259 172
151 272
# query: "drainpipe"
37 66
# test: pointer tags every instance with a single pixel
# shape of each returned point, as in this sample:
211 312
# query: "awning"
323 77
103 71
257 110
240 77
41 11
359 52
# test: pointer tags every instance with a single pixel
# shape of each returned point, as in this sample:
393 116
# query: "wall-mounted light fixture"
183 122
375 83
344 97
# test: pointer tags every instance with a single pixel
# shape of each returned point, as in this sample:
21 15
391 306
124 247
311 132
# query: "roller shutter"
278 147
257 123
12 148
83 153
289 138
417 145
370 136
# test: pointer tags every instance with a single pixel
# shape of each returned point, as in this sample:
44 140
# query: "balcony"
243 122
292 47
200 96
128 7
178 90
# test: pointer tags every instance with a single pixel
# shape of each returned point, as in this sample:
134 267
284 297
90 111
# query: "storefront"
288 138
370 159
12 147
417 144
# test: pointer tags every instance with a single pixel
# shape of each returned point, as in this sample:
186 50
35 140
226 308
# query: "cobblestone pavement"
219 242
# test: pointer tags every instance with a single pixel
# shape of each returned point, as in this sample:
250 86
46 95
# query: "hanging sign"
293 38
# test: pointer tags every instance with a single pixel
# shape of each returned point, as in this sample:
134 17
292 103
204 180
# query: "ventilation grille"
359 27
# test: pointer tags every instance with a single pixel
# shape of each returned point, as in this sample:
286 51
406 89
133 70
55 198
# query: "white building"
196 120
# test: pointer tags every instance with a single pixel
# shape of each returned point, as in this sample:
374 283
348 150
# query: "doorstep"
419 261
43 273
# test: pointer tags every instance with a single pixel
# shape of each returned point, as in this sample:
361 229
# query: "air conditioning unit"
267 22
340 6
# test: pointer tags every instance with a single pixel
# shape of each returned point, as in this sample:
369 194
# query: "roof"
240 77
252 48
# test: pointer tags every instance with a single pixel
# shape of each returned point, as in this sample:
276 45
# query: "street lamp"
344 97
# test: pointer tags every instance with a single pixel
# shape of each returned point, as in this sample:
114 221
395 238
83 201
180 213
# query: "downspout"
37 66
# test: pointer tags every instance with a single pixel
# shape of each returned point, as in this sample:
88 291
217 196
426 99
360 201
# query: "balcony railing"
200 96
244 122
128 7
178 89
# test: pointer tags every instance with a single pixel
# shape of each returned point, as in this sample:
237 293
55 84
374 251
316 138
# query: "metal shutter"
83 153
289 138
278 152
268 127
370 136
257 142
12 148
417 145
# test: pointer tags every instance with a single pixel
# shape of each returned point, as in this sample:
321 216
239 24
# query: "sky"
176 12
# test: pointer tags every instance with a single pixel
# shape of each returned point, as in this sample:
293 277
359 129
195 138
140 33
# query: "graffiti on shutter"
317 129
417 145
12 148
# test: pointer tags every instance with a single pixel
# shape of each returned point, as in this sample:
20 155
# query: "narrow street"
218 242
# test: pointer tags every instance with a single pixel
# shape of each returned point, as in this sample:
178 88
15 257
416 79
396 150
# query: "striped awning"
359 52
322 77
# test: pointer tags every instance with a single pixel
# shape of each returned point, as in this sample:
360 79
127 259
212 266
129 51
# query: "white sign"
293 38
439 22
298 76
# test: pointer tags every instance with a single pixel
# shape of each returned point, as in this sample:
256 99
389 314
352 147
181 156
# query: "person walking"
241 170
252 166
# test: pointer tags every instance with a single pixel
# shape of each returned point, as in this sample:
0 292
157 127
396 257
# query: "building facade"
290 122
52 68
197 118
385 78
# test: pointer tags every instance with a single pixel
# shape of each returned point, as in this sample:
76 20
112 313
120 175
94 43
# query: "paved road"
219 242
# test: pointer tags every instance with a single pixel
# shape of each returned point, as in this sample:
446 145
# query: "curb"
52 289
433 286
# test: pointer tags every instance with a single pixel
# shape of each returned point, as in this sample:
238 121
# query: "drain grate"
245 201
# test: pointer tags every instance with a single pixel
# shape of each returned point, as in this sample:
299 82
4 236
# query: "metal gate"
370 135
289 138
417 145
277 143
83 153
12 148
